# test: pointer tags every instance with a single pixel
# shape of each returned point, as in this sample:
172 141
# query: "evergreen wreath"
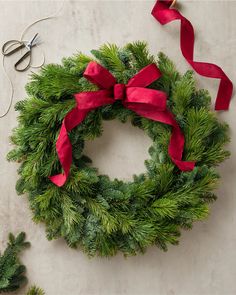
91 211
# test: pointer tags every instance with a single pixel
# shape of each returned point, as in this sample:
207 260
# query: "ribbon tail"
225 90
63 144
64 152
176 145
164 15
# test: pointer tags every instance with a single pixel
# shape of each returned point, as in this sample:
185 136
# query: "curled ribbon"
164 15
149 103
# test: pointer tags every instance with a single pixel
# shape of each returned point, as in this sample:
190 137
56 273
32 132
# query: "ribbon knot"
119 91
146 102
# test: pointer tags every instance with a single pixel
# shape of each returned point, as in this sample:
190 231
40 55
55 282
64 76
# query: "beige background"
205 261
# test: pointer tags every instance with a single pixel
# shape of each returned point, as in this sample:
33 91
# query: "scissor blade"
32 42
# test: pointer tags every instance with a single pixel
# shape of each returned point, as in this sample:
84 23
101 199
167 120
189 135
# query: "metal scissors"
12 46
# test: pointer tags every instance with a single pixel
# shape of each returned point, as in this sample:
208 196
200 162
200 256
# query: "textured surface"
204 263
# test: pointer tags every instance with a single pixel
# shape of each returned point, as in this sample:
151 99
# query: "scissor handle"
9 44
28 53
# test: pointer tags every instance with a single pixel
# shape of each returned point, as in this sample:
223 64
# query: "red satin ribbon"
149 103
164 15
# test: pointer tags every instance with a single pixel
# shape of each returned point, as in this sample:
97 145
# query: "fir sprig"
12 272
34 290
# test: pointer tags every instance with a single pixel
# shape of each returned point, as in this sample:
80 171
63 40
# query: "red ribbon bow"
149 103
164 15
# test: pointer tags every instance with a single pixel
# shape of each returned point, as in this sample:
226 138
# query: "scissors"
19 45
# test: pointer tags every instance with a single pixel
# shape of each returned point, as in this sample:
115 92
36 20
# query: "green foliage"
12 272
34 290
103 216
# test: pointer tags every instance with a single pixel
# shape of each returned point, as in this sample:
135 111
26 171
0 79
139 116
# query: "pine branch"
34 290
12 272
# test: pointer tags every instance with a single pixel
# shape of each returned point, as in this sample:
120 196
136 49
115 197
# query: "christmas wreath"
91 211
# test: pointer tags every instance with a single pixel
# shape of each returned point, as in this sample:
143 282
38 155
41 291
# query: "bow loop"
98 75
145 77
